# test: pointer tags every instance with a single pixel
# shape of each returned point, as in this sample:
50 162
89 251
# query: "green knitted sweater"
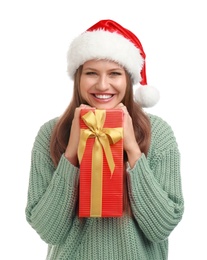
155 194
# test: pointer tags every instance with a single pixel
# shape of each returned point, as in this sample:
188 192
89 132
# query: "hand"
72 147
130 144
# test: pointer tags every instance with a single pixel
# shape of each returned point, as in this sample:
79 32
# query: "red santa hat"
109 40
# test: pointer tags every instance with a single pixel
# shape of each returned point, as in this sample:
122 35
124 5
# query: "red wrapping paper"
112 183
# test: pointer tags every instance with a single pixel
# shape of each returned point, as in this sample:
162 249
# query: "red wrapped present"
100 156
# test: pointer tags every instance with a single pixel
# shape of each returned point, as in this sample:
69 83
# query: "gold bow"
104 137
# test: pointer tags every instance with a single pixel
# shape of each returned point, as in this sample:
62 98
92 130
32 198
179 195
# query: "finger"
83 106
120 105
124 108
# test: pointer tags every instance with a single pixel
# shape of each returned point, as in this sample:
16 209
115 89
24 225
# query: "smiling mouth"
103 96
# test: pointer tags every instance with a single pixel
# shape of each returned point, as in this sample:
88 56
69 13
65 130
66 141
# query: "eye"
90 73
116 73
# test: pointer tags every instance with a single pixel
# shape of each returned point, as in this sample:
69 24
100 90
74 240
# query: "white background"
34 87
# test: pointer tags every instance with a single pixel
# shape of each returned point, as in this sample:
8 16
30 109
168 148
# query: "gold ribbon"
104 137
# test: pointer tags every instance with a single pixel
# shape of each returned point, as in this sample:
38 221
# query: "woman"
105 62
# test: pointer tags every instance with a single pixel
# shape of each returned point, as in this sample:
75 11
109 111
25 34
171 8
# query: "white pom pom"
147 96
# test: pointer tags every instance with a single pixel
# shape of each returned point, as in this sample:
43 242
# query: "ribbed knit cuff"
140 161
66 170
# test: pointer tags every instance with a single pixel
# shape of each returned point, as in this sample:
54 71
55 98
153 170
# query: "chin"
104 107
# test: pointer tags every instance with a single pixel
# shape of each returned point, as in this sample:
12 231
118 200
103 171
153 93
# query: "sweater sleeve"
52 195
155 188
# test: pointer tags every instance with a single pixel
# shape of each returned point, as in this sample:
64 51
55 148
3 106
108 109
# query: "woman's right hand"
72 147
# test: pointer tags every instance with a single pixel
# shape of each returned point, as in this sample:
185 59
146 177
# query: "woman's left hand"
130 144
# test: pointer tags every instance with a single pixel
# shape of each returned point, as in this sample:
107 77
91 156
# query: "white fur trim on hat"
102 44
146 96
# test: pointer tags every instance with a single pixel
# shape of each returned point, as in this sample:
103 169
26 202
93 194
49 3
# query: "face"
102 84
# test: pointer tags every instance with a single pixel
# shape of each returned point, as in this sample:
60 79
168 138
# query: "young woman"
105 62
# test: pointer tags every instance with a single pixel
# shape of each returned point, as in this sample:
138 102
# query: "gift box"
100 155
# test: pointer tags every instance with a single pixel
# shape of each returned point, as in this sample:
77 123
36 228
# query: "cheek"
83 87
85 83
122 89
83 93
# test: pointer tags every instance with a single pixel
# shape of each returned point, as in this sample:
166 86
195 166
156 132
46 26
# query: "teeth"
103 96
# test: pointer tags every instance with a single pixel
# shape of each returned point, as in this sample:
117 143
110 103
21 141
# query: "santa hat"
109 40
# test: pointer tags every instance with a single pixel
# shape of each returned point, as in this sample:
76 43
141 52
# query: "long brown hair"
61 131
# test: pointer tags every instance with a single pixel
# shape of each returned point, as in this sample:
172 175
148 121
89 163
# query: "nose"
102 83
